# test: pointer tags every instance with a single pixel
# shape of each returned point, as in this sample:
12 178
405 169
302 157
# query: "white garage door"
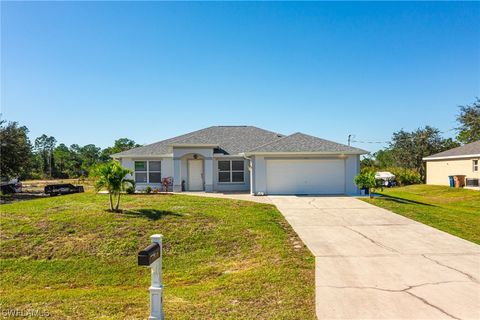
306 176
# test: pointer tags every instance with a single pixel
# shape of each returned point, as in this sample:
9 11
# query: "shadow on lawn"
404 201
151 214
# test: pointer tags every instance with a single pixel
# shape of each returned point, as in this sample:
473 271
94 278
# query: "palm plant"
112 177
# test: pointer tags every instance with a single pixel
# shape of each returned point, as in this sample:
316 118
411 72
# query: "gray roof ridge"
233 126
272 133
232 138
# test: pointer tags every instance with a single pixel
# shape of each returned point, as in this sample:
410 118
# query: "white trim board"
466 156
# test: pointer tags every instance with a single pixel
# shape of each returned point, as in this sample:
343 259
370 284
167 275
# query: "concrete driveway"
374 264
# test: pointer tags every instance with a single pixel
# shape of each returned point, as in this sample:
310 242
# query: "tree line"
407 149
45 158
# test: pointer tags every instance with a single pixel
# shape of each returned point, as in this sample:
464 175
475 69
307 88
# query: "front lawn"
456 211
223 259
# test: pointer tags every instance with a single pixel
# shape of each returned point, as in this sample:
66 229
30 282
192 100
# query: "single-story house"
463 160
245 158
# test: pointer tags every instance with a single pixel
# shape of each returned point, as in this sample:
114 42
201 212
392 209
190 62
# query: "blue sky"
92 72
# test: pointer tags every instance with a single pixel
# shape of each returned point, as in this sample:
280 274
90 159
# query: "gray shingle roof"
230 139
239 139
299 142
465 150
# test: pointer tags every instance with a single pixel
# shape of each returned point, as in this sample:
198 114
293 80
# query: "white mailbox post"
152 256
156 288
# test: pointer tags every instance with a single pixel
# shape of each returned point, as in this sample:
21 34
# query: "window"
231 171
148 171
224 171
154 172
475 165
141 171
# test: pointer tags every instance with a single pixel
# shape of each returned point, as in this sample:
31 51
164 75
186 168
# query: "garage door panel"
305 176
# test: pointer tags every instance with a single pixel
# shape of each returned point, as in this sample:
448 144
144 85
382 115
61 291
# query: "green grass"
223 259
456 211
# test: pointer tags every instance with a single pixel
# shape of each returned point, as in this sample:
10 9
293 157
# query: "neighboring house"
246 158
463 160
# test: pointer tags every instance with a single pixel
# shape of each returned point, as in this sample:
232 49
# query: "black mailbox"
148 255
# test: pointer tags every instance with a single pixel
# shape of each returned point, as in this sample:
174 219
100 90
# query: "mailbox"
148 255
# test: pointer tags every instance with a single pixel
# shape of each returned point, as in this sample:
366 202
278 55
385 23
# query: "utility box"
472 182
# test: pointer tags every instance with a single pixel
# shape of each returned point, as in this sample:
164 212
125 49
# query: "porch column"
251 166
208 174
260 175
177 177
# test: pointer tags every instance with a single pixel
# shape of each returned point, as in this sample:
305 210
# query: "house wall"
259 181
166 168
183 157
258 175
439 170
352 169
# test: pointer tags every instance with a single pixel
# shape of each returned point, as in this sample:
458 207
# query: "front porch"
193 169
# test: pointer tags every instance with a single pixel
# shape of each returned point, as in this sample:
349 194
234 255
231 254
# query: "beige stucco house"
464 160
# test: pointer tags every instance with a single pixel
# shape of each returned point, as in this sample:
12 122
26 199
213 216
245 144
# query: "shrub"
130 190
367 180
368 170
148 189
406 176
32 176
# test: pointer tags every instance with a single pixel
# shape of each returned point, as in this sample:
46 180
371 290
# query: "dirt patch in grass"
23 196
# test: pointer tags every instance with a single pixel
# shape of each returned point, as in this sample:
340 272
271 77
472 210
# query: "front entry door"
195 175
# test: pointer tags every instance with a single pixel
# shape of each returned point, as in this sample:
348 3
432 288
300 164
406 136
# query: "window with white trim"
475 165
148 171
231 171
